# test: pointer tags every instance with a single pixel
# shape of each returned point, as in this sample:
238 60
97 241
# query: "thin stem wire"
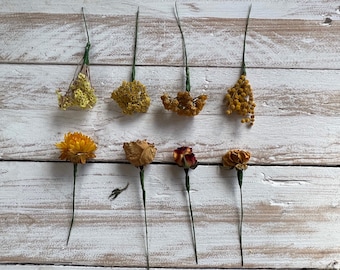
240 180
73 200
141 176
88 44
185 56
244 44
187 185
133 73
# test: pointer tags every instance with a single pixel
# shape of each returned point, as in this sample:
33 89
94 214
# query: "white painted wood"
291 212
283 226
297 120
211 40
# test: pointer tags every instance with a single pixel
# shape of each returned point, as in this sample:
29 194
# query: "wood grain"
36 209
291 188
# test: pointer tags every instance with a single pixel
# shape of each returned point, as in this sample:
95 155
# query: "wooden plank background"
291 188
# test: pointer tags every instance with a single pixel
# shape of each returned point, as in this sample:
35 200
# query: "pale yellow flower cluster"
80 94
132 97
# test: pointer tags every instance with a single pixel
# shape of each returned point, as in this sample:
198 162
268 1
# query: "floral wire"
187 184
73 196
240 179
244 44
133 73
88 44
141 176
187 75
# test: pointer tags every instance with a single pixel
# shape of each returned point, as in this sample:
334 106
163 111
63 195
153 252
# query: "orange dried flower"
139 153
184 103
77 148
236 159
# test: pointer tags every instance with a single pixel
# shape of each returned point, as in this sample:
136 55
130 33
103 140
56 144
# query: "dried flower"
139 154
132 96
184 103
239 98
80 93
238 159
77 148
184 157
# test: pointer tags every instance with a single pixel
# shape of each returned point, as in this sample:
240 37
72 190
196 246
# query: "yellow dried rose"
139 153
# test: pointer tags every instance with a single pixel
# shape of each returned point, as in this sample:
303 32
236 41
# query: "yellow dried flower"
240 99
77 148
236 159
184 103
132 97
80 93
139 153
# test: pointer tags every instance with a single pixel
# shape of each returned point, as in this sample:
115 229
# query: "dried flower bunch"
184 103
76 148
132 96
239 98
184 157
80 93
140 153
238 159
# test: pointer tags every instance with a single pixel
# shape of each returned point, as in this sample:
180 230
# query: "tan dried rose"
236 159
139 153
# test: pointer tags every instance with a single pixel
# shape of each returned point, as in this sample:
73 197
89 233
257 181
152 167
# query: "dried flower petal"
132 97
80 93
77 148
184 103
184 157
139 153
236 159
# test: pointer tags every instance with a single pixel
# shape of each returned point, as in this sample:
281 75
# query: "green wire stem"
185 56
187 185
88 44
73 200
243 69
240 179
133 73
141 176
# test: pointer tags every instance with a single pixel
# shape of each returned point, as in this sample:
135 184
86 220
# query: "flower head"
184 103
139 153
240 99
236 159
77 148
132 97
184 157
80 93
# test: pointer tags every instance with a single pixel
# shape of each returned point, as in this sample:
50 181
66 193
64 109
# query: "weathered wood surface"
280 216
292 212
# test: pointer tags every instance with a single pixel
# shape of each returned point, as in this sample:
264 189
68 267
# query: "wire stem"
88 44
240 179
185 56
133 73
243 70
187 185
73 200
141 176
